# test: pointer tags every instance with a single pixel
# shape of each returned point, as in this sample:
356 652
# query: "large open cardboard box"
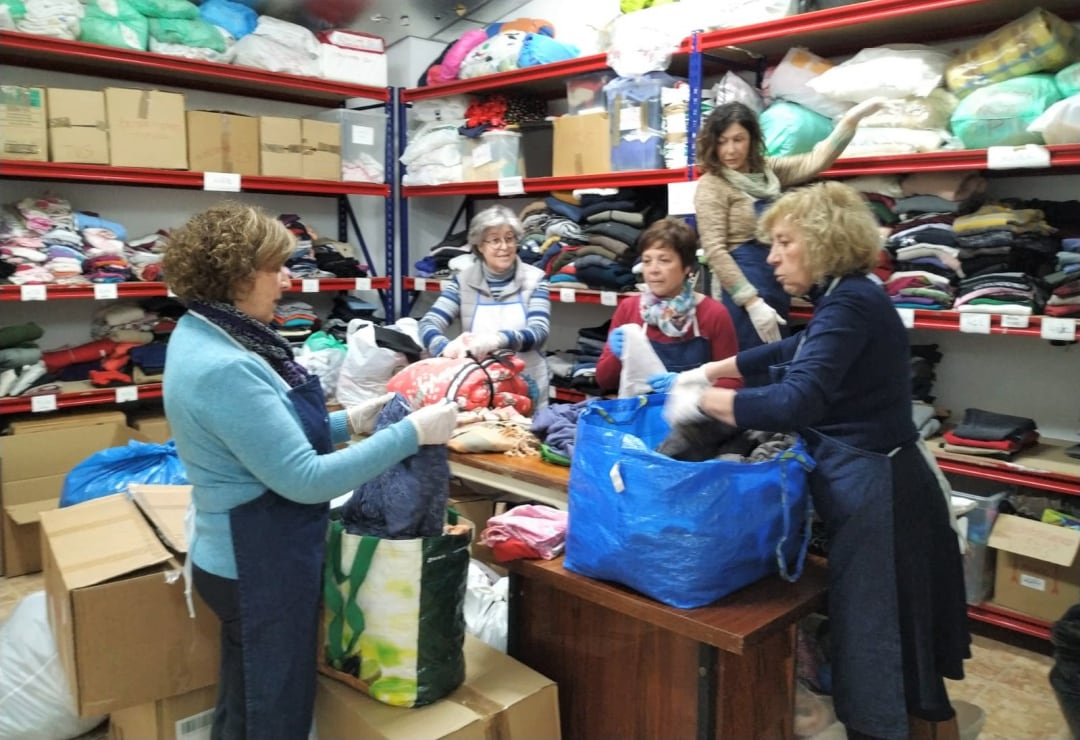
185 717
501 698
117 608
34 461
1037 571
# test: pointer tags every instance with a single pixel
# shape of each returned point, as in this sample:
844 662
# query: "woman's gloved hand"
765 319
482 345
662 382
456 348
362 416
617 342
435 423
683 404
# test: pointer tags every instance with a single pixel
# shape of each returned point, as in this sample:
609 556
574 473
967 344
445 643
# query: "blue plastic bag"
110 471
684 533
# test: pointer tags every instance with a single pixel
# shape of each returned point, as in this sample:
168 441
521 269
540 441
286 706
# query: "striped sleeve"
438 318
537 322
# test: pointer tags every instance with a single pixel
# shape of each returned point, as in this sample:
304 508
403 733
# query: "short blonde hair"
838 228
214 256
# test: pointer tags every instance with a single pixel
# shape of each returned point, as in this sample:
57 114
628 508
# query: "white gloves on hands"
456 348
482 345
435 423
362 416
683 404
690 379
765 320
859 111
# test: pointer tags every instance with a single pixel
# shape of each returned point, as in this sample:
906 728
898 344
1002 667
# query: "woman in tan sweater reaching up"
737 183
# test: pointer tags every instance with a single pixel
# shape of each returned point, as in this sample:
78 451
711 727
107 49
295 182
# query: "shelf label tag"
363 135
309 285
32 292
481 154
105 291
907 317
419 284
443 284
127 393
680 198
512 185
362 284
1014 322
609 298
221 182
975 323
1058 329
43 403
567 295
552 392
1012 157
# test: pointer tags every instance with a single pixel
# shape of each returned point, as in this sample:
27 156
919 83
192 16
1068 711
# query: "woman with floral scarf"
686 329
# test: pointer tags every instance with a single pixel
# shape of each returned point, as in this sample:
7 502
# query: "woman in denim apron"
252 429
898 620
684 328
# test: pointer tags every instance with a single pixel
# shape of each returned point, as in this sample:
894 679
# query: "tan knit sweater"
725 214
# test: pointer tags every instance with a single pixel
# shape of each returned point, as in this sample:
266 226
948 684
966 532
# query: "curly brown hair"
215 255
714 126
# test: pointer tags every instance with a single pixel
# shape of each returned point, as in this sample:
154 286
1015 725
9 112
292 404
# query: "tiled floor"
1007 677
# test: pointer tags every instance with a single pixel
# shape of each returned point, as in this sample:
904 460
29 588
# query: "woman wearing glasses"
501 301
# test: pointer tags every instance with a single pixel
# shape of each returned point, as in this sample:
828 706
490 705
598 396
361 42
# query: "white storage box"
363 143
351 65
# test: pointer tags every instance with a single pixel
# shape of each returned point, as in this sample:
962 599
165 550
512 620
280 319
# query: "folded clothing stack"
991 434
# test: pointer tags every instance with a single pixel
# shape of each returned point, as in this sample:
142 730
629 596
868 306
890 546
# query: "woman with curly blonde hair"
897 618
252 429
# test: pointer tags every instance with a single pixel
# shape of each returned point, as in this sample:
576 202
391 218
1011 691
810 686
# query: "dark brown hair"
722 116
674 233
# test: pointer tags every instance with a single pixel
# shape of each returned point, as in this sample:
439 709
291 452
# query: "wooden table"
630 667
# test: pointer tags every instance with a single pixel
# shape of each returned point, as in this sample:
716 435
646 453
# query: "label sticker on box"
105 291
481 155
1058 329
609 298
907 317
975 323
567 295
630 118
221 182
1015 322
127 393
195 727
511 185
1033 582
309 285
43 403
32 293
363 135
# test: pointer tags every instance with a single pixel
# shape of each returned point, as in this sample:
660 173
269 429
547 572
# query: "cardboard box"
582 145
23 128
1037 572
500 698
185 717
33 466
352 65
78 130
117 609
155 427
222 142
321 150
70 418
147 128
363 143
280 146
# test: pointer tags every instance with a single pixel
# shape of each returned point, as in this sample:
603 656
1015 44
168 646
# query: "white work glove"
859 111
456 348
683 404
435 423
362 416
765 319
690 379
482 345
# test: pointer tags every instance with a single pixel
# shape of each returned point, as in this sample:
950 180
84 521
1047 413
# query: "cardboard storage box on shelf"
23 128
155 427
363 143
280 146
352 65
321 149
116 603
147 128
34 461
1037 571
78 131
350 39
185 717
222 142
501 698
581 145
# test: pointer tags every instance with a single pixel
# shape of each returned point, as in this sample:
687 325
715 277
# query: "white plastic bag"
35 701
1060 123
894 71
639 362
791 78
367 366
487 605
734 89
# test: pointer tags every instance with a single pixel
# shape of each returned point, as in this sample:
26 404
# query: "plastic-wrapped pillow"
1060 123
895 71
1068 80
929 112
734 89
999 114
791 77
789 128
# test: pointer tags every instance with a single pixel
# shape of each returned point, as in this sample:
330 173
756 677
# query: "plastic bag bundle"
999 114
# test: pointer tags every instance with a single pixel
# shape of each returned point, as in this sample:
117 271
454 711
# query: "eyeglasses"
510 242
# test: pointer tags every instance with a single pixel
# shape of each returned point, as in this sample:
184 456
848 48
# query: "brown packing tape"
226 145
332 148
11 147
144 104
62 122
102 126
275 148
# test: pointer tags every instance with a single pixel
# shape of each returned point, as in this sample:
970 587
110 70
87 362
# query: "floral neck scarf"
672 316
255 336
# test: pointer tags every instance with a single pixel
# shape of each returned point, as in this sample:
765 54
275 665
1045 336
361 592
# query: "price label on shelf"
567 295
680 196
419 284
444 284
552 392
907 317
43 403
221 182
309 285
975 323
511 185
105 291
362 284
32 293
1015 322
127 394
1058 329
1014 157
609 298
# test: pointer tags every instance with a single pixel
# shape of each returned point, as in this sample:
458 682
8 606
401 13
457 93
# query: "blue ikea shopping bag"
684 533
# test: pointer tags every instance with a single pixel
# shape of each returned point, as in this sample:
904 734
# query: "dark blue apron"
279 548
684 355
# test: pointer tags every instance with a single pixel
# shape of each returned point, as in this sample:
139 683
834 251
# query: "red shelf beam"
580 295
1010 620
1058 483
950 321
547 184
554 73
1061 156
146 290
99 397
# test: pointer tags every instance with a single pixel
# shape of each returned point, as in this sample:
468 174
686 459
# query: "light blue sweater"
238 435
